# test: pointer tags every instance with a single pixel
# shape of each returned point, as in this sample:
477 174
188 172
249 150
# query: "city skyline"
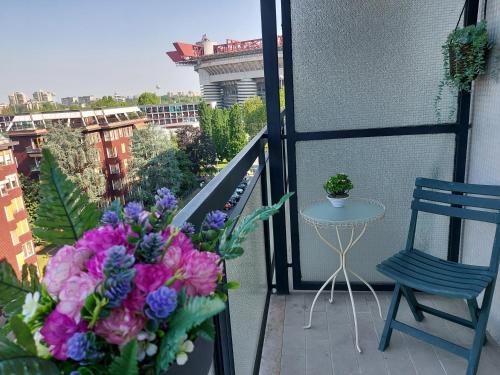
128 60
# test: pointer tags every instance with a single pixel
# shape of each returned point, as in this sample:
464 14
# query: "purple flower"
82 348
214 220
165 200
133 211
117 260
150 248
161 303
188 228
110 217
119 271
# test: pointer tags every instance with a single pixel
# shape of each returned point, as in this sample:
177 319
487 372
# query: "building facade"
69 100
109 130
230 72
43 96
171 117
18 98
16 241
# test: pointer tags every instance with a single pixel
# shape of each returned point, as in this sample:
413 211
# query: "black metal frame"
460 129
212 197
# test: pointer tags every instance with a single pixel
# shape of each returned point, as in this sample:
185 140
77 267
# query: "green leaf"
15 360
23 334
65 211
205 330
195 312
126 362
233 285
12 291
230 245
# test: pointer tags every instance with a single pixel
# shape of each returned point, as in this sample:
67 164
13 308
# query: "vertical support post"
265 202
461 141
271 77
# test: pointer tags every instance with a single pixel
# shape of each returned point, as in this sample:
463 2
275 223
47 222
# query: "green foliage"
198 148
193 313
148 98
230 246
338 185
65 212
12 290
220 132
175 98
107 102
78 159
154 165
15 360
31 189
126 362
23 334
254 115
237 138
205 113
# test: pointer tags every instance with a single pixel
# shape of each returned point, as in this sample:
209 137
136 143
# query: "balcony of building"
360 82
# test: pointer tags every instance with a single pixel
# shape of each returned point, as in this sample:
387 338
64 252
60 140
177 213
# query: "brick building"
108 129
16 242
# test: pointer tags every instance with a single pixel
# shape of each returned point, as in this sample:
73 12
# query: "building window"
14 237
3 188
22 227
125 163
28 249
117 185
114 168
111 152
124 148
6 157
9 214
11 181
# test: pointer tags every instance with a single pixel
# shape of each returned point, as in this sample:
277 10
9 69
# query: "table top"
356 211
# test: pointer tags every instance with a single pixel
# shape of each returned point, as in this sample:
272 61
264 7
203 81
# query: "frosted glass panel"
364 64
382 168
247 303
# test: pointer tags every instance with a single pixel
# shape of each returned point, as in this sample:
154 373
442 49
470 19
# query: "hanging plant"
464 57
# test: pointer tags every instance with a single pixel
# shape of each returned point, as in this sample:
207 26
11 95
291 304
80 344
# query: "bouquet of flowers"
132 295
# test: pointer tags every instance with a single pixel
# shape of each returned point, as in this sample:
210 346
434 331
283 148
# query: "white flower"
41 349
30 305
181 358
187 346
151 350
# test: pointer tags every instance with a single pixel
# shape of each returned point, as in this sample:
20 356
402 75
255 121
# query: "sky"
102 47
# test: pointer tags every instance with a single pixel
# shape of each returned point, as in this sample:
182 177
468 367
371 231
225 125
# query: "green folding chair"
413 269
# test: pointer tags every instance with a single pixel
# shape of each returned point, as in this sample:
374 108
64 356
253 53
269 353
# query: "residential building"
18 98
43 96
120 98
16 241
86 99
69 100
108 129
172 116
229 72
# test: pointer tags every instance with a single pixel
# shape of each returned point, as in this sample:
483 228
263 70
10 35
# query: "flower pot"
199 361
457 66
337 201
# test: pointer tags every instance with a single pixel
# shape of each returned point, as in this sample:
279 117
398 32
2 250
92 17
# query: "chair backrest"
454 199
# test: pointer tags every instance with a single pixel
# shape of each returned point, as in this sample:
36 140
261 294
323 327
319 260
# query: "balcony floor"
328 347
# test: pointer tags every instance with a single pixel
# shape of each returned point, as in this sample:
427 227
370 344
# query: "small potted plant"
464 58
338 188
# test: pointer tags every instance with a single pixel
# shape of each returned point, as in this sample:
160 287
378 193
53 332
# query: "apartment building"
172 116
43 96
108 129
16 241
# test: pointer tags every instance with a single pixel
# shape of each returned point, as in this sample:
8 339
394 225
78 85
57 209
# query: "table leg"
369 287
353 308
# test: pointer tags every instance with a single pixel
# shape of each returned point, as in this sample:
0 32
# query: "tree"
78 159
199 149
220 132
108 101
205 113
153 165
237 138
148 98
254 115
31 192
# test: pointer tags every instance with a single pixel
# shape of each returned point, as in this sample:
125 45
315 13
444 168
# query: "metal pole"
271 77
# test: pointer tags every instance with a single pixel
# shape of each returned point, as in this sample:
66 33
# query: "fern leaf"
196 311
12 291
15 360
64 212
126 362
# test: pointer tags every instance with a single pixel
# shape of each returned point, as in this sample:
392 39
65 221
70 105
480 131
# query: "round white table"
355 215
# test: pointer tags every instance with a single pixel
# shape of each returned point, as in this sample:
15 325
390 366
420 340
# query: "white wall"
484 159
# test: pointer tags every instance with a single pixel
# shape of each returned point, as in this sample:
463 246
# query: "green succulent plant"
338 185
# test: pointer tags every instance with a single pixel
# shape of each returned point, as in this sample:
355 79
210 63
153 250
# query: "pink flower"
73 294
57 330
101 239
120 326
201 270
180 247
148 277
66 263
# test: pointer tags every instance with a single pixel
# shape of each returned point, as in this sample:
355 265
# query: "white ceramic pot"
337 202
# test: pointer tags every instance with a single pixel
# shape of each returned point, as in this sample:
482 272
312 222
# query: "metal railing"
212 197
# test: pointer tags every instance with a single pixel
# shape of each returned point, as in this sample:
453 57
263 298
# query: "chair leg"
473 309
477 345
412 302
385 339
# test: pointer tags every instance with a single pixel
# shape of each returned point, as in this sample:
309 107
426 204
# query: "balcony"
357 102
